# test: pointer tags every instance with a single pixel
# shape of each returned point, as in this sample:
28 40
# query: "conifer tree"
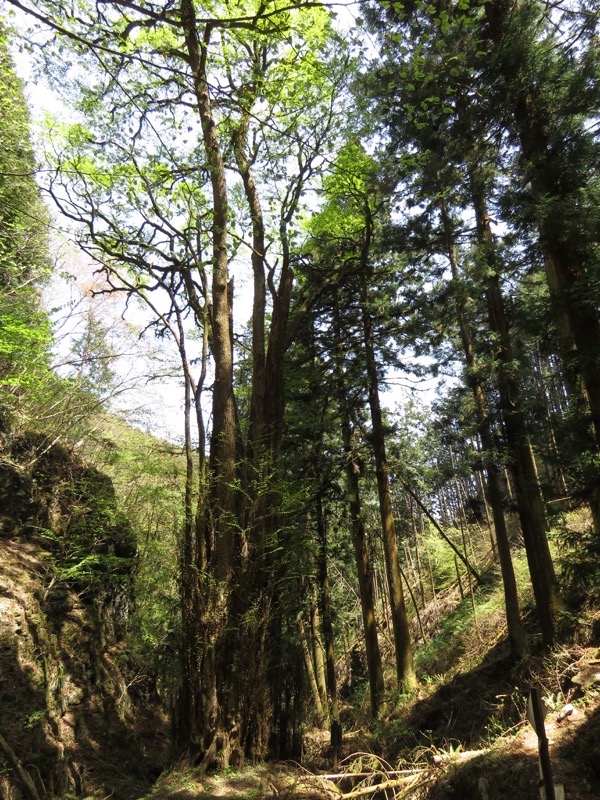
24 254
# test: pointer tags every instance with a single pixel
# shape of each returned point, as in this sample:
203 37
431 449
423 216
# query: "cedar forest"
303 203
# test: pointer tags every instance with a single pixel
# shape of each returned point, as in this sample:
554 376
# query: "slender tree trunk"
190 711
318 654
353 467
332 694
405 671
486 507
459 579
365 572
440 530
556 470
417 551
307 652
516 632
529 496
430 570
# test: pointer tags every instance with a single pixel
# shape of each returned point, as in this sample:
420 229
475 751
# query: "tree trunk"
555 468
417 551
364 570
307 651
405 672
353 468
516 632
332 694
318 654
190 703
219 725
530 502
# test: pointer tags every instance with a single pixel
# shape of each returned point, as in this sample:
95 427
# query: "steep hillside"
69 723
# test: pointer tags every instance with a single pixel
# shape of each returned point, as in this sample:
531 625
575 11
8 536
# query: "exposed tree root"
19 769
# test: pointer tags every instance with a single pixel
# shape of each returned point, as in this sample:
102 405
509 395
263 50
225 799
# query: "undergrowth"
467 633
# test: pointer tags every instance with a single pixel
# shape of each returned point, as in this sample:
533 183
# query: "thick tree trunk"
262 452
219 726
257 434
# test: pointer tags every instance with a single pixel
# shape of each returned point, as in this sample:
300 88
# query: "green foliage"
148 477
580 563
23 219
94 358
24 260
138 179
441 556
96 546
465 634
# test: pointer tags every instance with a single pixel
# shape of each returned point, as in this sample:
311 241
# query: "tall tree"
529 497
516 632
352 186
353 464
551 89
462 145
164 71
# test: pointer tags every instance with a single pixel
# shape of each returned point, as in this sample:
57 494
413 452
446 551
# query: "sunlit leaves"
350 185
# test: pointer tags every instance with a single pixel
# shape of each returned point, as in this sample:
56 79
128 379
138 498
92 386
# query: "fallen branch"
412 782
449 758
307 787
319 787
440 530
337 776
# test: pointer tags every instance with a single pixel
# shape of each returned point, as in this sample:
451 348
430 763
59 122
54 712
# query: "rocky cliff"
70 724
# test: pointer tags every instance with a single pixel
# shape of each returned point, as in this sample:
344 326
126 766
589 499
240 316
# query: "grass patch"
467 632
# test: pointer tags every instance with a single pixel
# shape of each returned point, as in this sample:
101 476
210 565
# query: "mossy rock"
97 518
19 500
48 490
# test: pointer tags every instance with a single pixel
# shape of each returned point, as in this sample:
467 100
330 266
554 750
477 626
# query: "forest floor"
504 768
464 735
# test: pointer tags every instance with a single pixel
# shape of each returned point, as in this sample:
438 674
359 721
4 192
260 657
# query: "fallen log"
449 758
